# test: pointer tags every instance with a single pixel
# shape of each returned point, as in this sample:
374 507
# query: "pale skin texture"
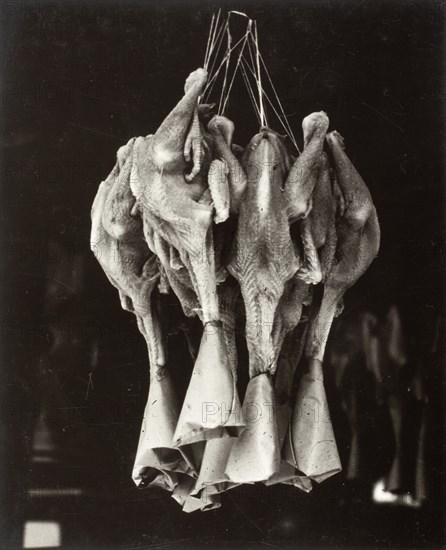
308 193
317 224
232 176
358 237
180 206
263 257
299 188
119 245
304 173
174 201
154 224
175 210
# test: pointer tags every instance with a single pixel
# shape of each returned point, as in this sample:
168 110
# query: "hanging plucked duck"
235 234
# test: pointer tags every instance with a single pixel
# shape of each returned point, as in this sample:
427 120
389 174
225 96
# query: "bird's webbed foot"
179 137
194 147
194 144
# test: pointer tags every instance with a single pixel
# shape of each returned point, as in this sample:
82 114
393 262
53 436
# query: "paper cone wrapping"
211 407
255 454
183 488
287 473
156 452
212 475
288 361
288 476
203 503
182 493
310 445
212 479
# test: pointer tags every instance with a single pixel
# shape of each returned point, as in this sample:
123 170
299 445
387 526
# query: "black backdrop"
80 79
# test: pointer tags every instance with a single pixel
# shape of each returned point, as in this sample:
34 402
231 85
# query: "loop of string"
281 117
247 33
213 79
249 61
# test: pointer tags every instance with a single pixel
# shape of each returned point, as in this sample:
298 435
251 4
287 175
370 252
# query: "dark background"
81 79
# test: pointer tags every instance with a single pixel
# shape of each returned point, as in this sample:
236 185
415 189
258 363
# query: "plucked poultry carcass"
310 204
118 243
284 238
177 206
358 237
263 259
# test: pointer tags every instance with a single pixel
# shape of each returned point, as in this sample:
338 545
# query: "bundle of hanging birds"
256 236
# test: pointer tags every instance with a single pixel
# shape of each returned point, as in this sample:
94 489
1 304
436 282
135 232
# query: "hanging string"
250 62
252 70
212 80
291 135
255 71
216 43
281 117
212 38
213 35
247 34
206 55
250 90
259 77
251 55
228 59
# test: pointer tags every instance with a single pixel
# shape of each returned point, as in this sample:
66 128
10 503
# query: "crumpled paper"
276 444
